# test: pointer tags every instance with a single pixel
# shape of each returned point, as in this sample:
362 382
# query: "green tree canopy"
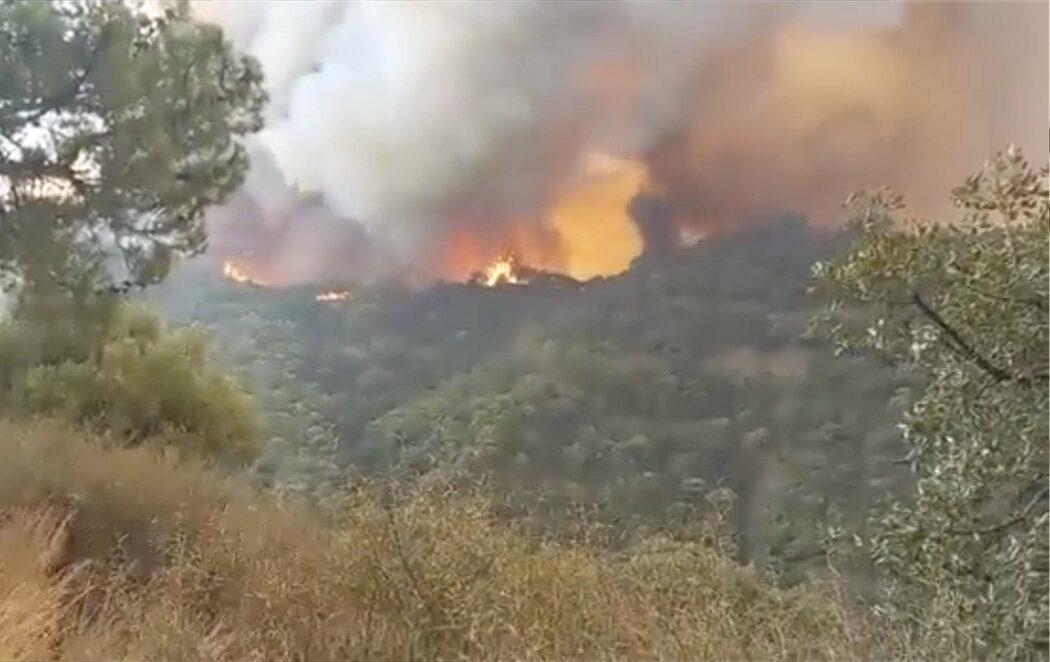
143 382
965 304
117 129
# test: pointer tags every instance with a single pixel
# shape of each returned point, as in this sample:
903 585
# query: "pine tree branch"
56 101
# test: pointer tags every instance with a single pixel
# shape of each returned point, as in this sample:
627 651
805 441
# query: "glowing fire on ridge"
230 271
597 237
239 273
329 296
504 270
585 231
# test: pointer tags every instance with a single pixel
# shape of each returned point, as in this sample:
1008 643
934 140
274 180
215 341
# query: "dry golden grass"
126 554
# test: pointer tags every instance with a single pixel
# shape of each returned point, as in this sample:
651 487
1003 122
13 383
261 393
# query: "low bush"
137 554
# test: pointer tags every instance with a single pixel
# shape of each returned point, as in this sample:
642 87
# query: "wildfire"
585 231
330 296
597 237
239 273
231 271
503 270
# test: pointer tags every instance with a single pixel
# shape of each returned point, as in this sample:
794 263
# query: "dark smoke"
302 242
653 214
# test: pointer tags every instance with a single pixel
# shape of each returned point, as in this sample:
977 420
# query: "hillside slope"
125 554
637 394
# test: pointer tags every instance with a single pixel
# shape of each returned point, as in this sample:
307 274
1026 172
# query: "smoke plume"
434 134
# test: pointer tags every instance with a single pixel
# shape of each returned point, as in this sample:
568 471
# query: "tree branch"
802 557
1016 519
965 348
39 164
400 550
1028 300
55 101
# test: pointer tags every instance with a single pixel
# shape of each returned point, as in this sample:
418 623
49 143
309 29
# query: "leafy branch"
1016 519
66 96
966 350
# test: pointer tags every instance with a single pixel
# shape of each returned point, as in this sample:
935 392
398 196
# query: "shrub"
165 559
144 383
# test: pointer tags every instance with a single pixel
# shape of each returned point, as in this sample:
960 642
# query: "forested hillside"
380 569
771 443
635 394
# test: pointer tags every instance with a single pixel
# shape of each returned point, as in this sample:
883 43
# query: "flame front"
596 235
231 271
503 271
583 232
239 272
330 296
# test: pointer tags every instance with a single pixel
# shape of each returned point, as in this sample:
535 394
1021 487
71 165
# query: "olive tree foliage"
118 128
964 303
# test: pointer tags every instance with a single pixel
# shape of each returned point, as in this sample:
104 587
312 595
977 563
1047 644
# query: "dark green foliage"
964 303
117 130
139 382
637 394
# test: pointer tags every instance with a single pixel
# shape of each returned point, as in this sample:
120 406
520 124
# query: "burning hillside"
533 126
590 230
586 231
333 296
241 271
245 271
503 271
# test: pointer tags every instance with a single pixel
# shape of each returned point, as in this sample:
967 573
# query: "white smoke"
398 113
395 110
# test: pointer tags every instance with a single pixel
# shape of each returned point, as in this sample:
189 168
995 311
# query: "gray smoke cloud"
392 116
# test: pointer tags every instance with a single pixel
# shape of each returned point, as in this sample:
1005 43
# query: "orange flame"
231 271
584 232
597 237
240 273
329 296
504 270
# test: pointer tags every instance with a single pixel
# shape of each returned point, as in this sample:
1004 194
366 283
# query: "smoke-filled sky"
423 137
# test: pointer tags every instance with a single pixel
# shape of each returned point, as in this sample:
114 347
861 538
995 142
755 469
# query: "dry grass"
110 553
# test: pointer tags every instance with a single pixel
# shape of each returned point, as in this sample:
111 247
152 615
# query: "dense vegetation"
122 554
644 466
137 379
636 395
964 303
117 130
642 393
